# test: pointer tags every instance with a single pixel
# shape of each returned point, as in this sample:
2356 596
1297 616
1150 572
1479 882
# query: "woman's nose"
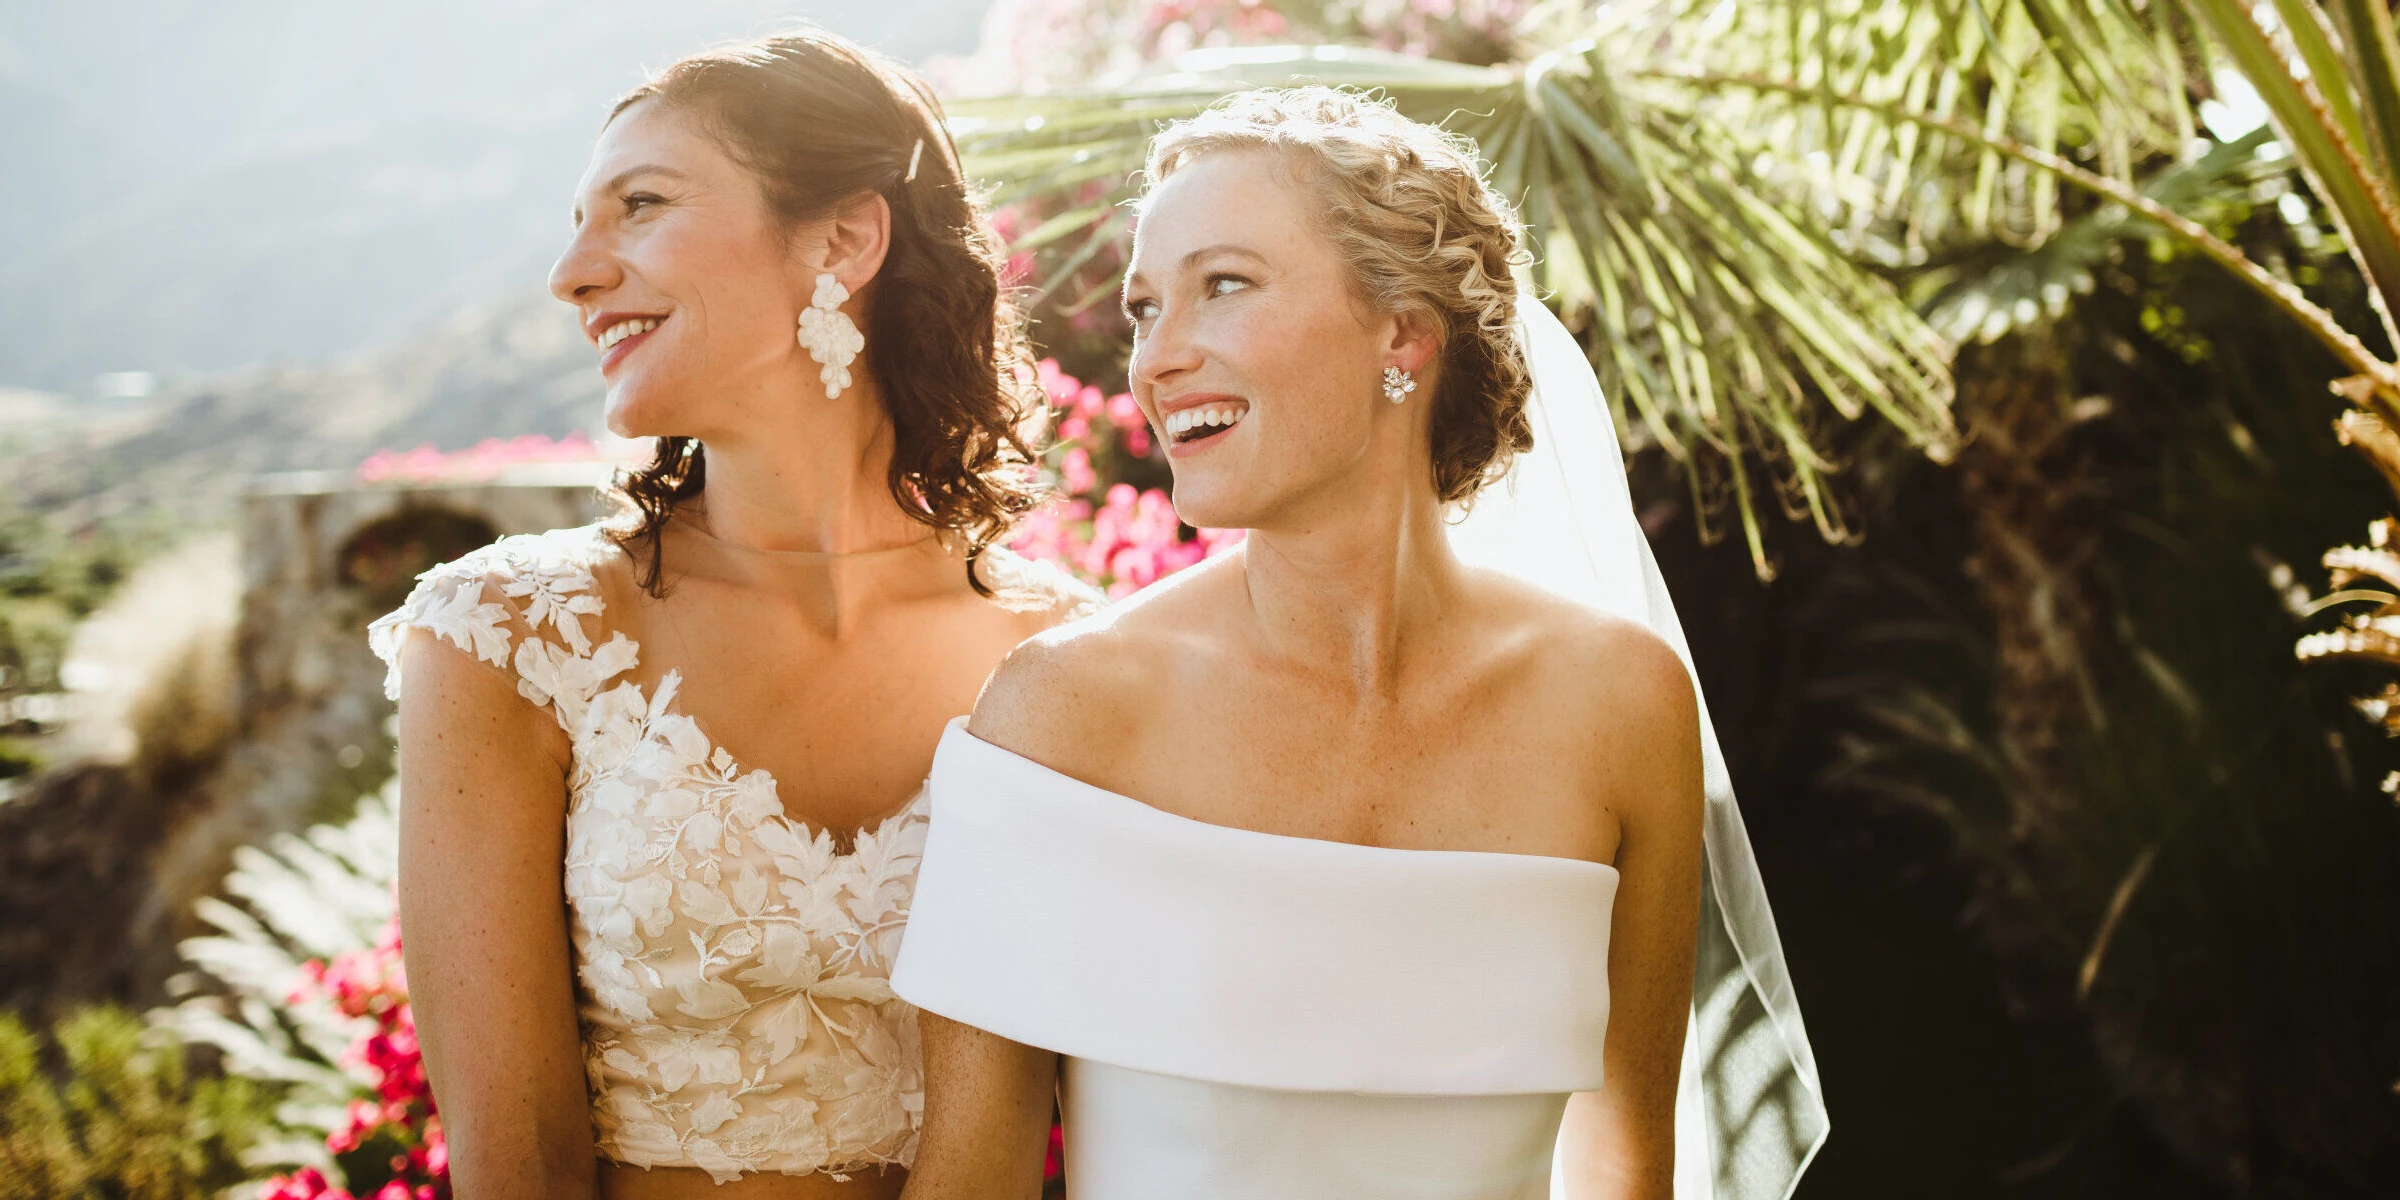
583 268
1165 351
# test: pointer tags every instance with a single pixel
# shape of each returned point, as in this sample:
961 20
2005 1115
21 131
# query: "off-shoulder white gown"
1253 1016
1248 1016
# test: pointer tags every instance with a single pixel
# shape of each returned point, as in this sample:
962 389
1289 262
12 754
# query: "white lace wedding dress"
731 964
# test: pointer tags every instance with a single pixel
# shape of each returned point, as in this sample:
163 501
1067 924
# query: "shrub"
107 1107
302 985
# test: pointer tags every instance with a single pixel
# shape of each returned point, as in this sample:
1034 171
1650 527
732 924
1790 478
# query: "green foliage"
17 759
1721 314
55 569
317 895
2066 652
1985 291
108 1107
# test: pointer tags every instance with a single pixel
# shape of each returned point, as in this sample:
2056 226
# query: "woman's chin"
632 415
1207 508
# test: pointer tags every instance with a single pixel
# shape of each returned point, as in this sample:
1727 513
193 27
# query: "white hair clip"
913 155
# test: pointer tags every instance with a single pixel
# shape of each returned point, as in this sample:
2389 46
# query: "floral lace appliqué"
732 968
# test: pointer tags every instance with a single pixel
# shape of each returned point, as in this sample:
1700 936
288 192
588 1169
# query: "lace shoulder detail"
519 604
1022 584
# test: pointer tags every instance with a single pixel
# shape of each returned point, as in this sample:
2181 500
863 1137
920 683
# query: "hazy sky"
199 186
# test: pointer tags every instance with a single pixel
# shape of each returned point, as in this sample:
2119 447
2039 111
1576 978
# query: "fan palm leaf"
2102 77
1715 190
1716 319
2087 93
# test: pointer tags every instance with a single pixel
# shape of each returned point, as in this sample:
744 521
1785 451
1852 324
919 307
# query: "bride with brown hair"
662 806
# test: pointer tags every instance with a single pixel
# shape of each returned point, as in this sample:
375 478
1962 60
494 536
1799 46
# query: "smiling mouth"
630 328
623 338
1206 421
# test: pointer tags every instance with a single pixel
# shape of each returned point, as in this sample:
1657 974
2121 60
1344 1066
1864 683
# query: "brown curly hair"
1407 209
821 121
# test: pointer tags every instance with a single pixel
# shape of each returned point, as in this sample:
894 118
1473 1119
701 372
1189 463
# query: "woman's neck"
1362 582
818 484
809 513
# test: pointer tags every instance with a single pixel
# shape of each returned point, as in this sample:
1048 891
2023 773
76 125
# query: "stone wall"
101 858
319 552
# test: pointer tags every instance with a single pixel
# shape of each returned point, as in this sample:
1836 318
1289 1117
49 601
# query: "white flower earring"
829 335
1397 384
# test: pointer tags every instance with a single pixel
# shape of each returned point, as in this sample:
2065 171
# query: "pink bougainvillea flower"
485 459
1117 536
395 1104
1075 471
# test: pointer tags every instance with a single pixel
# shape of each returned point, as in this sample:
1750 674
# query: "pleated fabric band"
1065 916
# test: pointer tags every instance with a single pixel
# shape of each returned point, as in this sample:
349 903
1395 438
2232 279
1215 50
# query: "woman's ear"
1414 341
857 237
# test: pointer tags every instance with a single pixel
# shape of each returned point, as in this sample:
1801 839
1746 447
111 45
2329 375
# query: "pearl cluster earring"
829 335
1397 384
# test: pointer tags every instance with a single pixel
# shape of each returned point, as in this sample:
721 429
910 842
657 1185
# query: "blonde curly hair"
1408 212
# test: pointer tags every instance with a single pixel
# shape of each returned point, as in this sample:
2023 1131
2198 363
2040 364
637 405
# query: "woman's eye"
1216 283
1140 311
636 201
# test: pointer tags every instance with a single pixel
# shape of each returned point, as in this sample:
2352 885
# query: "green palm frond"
2103 77
2089 93
1995 288
1716 316
2323 97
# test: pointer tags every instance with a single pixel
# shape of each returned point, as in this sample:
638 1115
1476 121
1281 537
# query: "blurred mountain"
502 370
203 186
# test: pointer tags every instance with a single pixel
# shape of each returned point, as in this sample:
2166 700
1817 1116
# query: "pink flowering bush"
1473 31
300 988
389 1143
485 460
1107 527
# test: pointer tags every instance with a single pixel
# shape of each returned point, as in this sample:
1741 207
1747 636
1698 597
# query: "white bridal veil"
1750 1112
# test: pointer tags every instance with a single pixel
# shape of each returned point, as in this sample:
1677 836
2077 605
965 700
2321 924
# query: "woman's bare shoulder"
1622 693
1579 641
1088 679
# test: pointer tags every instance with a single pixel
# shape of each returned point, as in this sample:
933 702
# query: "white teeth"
625 329
1194 418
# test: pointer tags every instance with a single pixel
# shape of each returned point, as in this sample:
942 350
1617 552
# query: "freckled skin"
1341 675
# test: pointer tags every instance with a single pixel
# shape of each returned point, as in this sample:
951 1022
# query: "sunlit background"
1996 502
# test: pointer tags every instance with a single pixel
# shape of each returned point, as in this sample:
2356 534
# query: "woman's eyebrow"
618 181
1222 248
1201 253
629 174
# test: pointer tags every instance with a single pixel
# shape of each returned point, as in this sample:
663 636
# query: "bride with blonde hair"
1391 855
